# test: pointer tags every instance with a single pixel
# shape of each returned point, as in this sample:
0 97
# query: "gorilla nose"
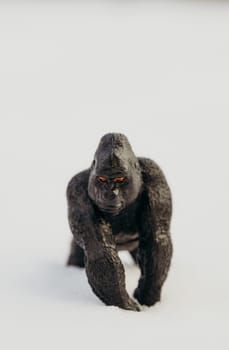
110 195
116 191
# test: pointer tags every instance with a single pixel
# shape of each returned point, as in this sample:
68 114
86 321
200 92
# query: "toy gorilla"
121 203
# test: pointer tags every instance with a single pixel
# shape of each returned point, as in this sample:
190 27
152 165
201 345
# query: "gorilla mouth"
112 209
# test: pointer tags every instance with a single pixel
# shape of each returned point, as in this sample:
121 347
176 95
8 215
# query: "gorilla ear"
93 163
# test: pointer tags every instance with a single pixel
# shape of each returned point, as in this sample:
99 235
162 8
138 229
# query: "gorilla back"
121 203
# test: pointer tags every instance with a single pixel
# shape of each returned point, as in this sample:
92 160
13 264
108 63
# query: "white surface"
69 73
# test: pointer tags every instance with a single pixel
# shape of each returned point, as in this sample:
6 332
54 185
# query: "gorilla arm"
155 249
104 269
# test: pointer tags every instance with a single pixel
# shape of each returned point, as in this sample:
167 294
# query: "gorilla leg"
154 260
76 257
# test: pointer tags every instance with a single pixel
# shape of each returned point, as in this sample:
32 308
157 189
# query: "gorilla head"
115 178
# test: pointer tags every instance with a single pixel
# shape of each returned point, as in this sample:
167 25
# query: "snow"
69 72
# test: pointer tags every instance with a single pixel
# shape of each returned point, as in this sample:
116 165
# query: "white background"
71 71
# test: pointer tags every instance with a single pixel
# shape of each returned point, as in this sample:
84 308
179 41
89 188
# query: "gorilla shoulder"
157 188
77 186
151 172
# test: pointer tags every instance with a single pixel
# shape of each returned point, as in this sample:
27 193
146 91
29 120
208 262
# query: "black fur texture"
121 203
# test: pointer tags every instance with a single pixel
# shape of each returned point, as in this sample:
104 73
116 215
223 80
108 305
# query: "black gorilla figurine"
121 203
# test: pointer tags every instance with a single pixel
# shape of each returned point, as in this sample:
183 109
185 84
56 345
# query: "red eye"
102 179
119 179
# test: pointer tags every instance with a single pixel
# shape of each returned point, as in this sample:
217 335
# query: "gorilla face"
111 191
115 179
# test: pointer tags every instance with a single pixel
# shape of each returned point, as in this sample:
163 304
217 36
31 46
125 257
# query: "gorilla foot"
74 260
145 299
